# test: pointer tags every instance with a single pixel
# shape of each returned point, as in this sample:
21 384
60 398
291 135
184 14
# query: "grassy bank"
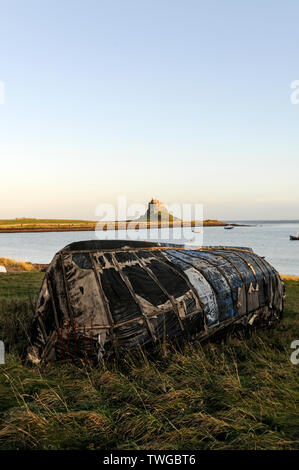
233 395
12 265
59 225
20 286
44 225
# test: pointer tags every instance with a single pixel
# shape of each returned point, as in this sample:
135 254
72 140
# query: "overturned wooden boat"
100 298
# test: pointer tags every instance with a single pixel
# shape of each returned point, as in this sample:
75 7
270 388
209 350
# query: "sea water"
269 239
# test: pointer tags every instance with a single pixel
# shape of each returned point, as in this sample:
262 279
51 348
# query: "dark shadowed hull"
101 298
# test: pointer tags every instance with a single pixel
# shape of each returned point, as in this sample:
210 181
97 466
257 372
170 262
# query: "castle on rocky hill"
157 212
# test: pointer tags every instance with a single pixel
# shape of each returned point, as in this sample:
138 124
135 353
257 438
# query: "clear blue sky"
185 101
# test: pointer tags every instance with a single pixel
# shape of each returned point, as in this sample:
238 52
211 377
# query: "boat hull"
103 298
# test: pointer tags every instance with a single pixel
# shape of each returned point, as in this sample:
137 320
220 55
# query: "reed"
235 394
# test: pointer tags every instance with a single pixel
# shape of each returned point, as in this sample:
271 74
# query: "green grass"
20 285
31 224
32 221
40 225
232 395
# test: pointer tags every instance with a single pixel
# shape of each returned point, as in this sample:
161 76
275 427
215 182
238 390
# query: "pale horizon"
187 101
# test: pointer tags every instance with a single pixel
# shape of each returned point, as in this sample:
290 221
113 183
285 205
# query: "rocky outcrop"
157 212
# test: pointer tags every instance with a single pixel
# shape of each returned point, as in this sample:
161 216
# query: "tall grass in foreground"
15 324
237 394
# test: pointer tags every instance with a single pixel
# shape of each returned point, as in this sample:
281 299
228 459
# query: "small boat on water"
229 227
292 237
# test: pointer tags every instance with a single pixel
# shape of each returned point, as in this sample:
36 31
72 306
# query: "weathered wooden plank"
101 298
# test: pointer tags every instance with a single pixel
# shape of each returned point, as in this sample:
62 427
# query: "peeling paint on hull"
101 298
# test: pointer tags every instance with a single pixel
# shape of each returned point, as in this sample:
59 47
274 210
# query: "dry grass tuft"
289 278
238 394
12 265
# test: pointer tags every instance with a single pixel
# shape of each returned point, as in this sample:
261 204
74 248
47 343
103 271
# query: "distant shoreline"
81 226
